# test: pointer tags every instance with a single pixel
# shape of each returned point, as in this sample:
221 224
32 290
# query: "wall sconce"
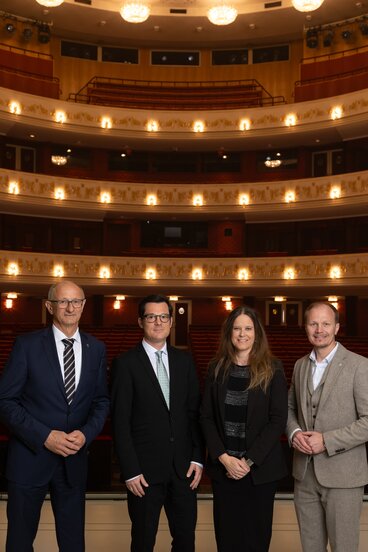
225 299
290 120
60 117
58 271
228 305
173 298
8 304
152 126
335 192
105 197
116 304
289 196
59 193
106 122
13 188
198 200
279 299
104 272
244 199
13 269
335 272
151 199
244 124
243 274
336 112
289 273
14 107
198 126
12 295
151 274
197 274
120 297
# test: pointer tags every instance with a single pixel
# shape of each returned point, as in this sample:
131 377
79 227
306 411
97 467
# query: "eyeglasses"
64 303
154 317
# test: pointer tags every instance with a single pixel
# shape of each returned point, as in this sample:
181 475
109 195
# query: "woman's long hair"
260 358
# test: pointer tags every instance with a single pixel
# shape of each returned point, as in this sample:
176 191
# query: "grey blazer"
342 417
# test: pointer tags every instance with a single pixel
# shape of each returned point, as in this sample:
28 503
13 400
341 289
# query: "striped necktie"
162 377
69 369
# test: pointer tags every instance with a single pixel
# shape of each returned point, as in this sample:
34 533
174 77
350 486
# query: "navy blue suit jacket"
33 402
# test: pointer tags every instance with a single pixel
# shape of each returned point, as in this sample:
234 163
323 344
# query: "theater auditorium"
213 152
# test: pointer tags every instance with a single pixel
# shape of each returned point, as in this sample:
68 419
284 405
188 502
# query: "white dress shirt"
318 368
77 347
151 352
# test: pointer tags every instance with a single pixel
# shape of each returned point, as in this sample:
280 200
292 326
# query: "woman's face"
243 334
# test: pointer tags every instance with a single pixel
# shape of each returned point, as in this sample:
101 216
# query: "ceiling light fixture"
135 12
50 3
273 162
59 160
307 5
222 14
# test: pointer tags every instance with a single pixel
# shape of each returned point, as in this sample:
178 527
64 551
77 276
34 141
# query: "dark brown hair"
260 358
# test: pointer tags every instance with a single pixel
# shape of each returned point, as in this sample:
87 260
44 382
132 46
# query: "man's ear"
337 328
140 323
49 307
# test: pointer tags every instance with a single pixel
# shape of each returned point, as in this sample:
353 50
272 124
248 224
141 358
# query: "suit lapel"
53 359
304 377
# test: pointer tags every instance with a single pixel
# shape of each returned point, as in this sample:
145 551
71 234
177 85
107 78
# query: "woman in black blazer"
243 416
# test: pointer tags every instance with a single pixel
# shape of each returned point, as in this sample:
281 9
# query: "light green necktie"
163 378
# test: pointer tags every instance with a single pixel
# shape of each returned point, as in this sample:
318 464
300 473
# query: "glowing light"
244 199
198 126
225 299
222 14
13 269
335 192
106 122
243 274
50 3
279 299
173 298
290 120
289 273
228 305
244 124
58 271
151 274
152 126
336 112
135 12
289 196
335 272
104 272
13 188
151 199
60 116
197 274
59 159
307 5
117 304
59 193
198 200
14 107
120 297
12 295
8 303
105 197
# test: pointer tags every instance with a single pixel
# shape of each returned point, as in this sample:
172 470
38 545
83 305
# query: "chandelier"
273 162
59 159
222 14
50 3
135 12
307 5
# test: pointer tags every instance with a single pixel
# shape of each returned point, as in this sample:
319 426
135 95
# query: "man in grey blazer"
328 428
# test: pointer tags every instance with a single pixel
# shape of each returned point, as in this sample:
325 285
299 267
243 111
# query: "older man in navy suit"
53 398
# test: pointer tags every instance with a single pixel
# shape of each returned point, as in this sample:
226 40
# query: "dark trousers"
242 514
180 504
24 510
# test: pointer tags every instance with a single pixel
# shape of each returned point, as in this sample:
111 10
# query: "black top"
236 405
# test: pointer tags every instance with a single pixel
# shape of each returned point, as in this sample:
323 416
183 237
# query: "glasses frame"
69 302
156 317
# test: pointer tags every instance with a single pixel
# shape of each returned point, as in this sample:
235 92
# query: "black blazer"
33 402
266 420
150 439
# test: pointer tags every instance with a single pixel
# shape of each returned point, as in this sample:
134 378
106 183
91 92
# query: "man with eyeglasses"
54 399
155 402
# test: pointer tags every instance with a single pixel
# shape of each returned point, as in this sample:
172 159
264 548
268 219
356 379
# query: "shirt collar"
327 359
151 350
59 335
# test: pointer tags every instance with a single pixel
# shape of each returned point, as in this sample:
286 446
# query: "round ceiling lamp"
222 14
135 12
50 3
307 5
